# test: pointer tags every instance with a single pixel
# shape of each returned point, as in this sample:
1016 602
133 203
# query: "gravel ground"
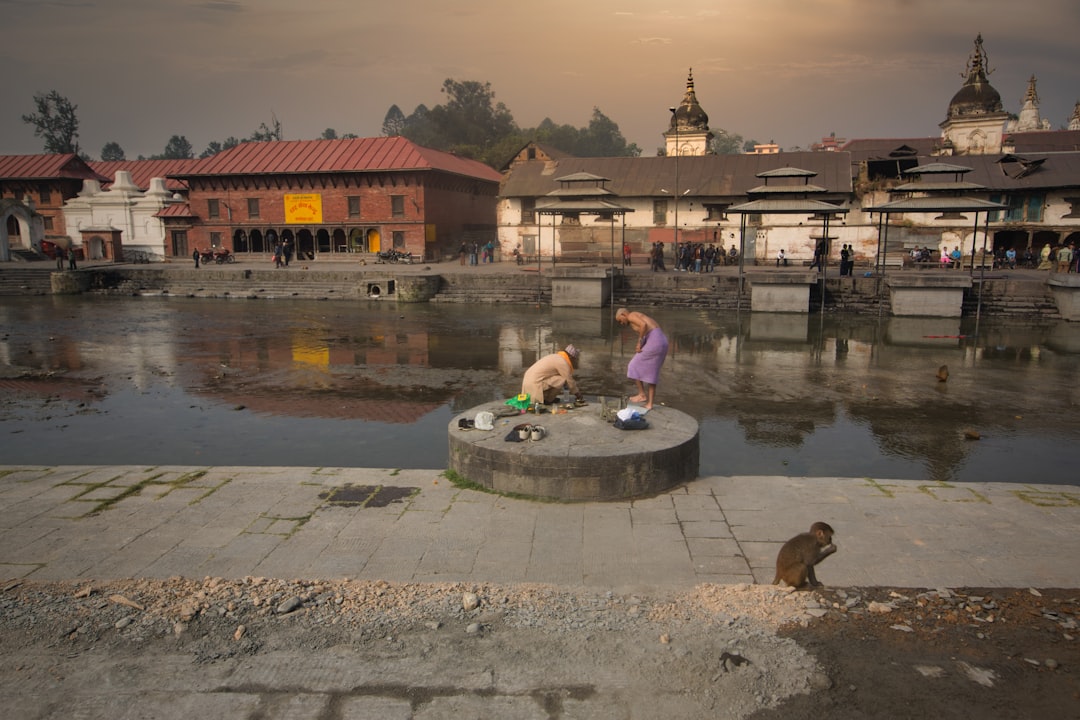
738 651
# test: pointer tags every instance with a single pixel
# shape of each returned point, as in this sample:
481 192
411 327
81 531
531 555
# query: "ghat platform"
582 455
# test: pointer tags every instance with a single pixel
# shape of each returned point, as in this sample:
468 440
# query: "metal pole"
742 260
539 272
611 279
675 122
982 267
824 261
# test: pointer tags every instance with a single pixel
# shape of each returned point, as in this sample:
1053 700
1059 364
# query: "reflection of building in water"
773 423
912 434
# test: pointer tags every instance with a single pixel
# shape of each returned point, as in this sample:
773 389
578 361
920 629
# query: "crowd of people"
692 257
1060 258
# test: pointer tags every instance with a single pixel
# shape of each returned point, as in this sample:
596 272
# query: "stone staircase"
16 280
1011 298
229 282
515 288
680 289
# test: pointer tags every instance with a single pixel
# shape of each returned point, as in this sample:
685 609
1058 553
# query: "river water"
164 381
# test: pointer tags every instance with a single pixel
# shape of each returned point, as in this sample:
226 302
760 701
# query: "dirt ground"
716 652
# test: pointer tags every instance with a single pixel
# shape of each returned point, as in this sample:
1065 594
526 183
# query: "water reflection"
307 383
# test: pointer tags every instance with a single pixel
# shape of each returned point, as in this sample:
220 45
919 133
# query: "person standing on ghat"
651 349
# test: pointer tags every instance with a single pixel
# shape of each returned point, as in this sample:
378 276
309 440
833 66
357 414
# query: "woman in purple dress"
652 347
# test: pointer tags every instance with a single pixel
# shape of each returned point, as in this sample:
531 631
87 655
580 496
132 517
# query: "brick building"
33 189
334 197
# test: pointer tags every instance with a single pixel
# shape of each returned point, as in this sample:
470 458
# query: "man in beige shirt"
545 379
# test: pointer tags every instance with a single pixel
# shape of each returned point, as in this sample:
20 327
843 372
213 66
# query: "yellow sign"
303 209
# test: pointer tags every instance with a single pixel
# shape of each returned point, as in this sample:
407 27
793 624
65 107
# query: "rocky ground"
718 651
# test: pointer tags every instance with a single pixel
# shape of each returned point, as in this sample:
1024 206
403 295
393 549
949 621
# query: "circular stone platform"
582 457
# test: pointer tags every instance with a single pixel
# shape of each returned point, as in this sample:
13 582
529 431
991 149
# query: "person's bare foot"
636 399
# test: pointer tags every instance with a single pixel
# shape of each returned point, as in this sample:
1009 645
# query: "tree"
603 139
214 147
178 148
725 143
329 134
393 123
56 122
749 145
112 151
266 134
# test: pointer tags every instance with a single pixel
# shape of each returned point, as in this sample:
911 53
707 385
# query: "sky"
787 71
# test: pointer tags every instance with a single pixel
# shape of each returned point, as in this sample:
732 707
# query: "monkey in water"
798 556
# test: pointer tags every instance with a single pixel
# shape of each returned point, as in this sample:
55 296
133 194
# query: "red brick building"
33 189
332 197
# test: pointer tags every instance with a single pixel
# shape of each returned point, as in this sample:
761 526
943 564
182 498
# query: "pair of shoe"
532 432
466 424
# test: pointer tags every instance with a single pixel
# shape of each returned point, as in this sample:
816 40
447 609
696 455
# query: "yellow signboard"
303 209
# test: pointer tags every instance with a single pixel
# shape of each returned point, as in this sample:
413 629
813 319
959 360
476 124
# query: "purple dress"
645 365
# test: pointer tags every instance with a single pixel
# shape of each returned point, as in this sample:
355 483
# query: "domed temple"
976 117
688 133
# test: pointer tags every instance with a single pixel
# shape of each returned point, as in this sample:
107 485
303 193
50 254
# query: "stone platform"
582 456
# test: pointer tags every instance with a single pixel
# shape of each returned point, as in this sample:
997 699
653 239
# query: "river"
179 381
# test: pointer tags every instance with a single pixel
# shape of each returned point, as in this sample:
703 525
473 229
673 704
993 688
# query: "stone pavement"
108 522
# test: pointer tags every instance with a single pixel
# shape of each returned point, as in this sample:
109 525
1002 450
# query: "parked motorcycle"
224 256
206 256
394 256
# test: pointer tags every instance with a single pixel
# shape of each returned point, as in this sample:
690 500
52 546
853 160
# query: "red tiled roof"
379 154
52 166
175 210
142 171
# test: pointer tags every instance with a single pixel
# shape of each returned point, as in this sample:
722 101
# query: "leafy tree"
264 133
112 151
603 139
329 134
394 122
178 148
472 123
748 146
56 122
725 143
214 147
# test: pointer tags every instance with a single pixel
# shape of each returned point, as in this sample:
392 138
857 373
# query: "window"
1022 208
1074 207
397 206
44 196
528 211
215 239
212 208
354 206
253 207
716 213
47 221
659 212
398 238
1035 208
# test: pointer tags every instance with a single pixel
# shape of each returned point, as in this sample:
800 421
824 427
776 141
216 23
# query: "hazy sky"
791 71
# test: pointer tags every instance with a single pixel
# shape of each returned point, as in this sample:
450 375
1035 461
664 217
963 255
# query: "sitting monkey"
798 556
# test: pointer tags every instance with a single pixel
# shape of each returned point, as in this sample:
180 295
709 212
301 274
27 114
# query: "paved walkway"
412 525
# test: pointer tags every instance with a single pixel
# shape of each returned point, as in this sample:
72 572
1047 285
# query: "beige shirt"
549 372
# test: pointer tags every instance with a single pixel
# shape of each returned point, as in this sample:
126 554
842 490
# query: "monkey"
798 556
